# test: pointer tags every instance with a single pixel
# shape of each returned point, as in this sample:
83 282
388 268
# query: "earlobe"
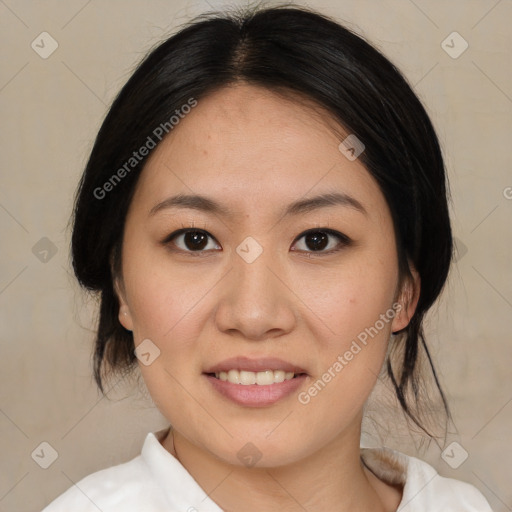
408 301
124 316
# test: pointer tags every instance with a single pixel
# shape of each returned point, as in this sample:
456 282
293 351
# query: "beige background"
51 110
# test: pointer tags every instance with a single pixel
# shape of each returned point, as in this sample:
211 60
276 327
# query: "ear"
125 317
408 299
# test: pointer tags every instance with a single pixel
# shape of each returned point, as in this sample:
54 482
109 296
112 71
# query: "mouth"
255 382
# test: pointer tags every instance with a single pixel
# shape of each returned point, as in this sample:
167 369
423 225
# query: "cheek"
351 351
352 325
172 305
351 298
168 308
159 292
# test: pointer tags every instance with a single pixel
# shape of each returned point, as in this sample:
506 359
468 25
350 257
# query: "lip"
254 395
254 365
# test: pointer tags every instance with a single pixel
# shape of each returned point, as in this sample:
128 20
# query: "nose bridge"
255 302
253 274
255 286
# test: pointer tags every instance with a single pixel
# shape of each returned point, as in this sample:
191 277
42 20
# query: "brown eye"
192 240
318 240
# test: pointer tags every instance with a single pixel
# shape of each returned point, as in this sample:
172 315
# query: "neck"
333 478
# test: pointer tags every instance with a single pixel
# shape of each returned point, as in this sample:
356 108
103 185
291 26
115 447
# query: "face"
259 271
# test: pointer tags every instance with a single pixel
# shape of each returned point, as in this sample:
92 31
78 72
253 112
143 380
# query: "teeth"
246 378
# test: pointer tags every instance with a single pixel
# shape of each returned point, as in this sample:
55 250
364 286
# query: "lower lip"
254 395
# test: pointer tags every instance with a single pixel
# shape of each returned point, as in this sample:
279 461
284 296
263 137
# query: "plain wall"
51 110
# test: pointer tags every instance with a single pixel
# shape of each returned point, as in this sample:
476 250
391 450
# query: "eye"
192 240
317 240
322 240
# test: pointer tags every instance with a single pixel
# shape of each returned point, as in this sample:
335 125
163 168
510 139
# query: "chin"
259 451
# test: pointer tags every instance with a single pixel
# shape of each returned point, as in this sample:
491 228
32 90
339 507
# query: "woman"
264 214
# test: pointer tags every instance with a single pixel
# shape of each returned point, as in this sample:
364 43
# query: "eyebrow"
207 205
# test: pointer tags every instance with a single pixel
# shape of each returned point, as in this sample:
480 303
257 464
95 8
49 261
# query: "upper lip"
254 365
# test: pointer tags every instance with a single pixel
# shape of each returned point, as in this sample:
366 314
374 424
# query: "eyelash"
343 241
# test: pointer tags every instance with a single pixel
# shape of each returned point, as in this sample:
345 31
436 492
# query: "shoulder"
424 490
125 487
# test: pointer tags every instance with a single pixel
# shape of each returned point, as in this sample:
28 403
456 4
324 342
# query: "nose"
256 302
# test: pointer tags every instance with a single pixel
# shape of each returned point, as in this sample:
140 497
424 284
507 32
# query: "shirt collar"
182 491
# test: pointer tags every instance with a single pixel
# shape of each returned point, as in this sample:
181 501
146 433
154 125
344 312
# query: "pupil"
316 241
195 240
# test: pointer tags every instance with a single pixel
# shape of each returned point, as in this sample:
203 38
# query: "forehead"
254 148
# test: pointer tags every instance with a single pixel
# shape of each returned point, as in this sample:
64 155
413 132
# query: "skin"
255 152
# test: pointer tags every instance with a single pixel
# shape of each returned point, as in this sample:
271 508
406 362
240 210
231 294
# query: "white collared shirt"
155 481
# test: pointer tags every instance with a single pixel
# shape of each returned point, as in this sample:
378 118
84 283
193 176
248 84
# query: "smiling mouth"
248 378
